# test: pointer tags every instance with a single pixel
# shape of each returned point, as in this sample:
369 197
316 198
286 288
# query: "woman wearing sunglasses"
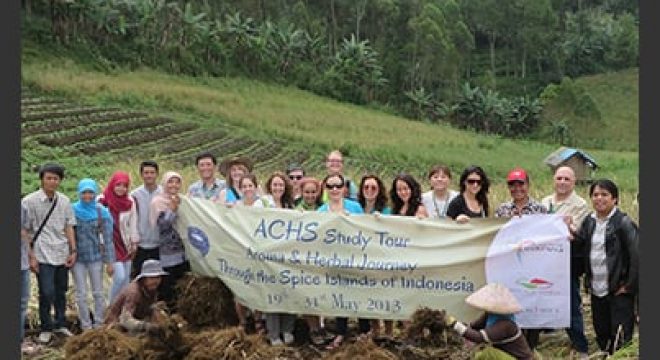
473 200
335 185
372 196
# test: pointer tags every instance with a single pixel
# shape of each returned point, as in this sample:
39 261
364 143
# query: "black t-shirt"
458 206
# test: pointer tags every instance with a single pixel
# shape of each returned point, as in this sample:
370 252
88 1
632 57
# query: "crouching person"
134 308
496 326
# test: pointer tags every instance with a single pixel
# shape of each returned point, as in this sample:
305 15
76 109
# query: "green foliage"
378 52
486 111
355 74
571 110
595 41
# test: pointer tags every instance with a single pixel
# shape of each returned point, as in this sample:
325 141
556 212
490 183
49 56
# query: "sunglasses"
334 186
370 187
295 177
473 181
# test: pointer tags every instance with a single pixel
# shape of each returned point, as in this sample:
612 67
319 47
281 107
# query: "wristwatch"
74 251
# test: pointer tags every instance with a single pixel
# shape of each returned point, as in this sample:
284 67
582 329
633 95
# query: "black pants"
53 283
609 313
142 255
532 337
342 325
166 289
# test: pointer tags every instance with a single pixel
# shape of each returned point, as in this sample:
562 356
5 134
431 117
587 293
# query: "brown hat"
494 298
237 160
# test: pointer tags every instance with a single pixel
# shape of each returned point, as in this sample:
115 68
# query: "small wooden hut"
582 163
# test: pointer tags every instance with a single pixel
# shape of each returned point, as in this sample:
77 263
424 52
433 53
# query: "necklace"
443 212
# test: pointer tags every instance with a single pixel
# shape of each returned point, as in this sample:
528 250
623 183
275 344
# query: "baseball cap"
517 174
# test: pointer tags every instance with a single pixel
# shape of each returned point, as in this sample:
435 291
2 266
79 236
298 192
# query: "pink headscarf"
162 200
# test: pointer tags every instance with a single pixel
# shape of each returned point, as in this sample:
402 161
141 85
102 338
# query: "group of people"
131 236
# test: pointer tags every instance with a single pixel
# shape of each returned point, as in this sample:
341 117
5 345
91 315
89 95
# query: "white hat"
151 268
494 298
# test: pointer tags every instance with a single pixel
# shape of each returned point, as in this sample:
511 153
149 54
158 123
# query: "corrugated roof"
564 153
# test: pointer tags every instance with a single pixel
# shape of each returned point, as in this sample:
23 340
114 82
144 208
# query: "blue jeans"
25 297
576 331
94 271
53 283
120 278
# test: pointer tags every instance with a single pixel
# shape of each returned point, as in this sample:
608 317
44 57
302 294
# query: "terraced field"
105 135
108 134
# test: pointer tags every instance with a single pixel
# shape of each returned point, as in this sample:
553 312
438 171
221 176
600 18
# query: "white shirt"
598 257
437 208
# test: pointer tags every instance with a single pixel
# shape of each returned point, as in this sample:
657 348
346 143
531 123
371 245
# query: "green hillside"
601 111
281 124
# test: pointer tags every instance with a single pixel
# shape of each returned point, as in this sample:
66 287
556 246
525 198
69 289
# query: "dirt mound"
362 349
167 342
427 328
205 301
103 343
230 344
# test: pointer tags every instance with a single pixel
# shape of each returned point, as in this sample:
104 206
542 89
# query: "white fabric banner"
335 265
531 256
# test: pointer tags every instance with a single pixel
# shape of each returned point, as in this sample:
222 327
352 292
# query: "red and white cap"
517 174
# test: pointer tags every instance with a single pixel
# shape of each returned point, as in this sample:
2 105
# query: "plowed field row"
80 133
88 110
133 138
48 126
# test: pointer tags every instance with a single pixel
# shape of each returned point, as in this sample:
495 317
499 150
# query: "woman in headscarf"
125 234
163 215
93 232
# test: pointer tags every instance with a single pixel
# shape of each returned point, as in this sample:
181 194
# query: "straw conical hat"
494 298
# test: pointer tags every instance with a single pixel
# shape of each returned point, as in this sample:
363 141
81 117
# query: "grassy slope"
617 96
311 121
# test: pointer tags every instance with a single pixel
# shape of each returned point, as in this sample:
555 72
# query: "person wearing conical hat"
496 326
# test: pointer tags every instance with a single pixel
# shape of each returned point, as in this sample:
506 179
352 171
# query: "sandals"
336 343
